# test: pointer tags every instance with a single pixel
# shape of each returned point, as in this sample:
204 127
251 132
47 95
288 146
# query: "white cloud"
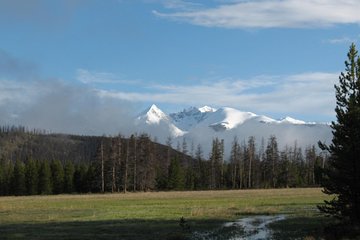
180 4
54 105
342 40
307 93
87 77
272 14
59 107
91 77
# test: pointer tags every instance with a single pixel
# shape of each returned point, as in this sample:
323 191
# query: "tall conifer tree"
44 178
31 177
342 177
69 171
18 180
176 177
57 171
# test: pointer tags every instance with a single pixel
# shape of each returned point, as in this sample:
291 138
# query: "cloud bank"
87 108
59 107
55 105
271 14
303 94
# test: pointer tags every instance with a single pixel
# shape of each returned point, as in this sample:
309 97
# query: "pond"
252 228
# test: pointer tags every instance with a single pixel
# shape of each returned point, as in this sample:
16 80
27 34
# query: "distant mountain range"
201 125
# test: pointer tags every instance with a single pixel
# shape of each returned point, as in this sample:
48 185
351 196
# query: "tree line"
137 163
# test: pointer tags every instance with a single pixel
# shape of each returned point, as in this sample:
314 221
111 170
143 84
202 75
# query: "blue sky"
272 57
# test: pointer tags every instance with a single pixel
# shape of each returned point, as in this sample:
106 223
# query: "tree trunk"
126 167
134 176
102 167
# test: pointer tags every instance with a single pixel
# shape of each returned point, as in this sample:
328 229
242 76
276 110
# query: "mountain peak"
292 120
153 115
153 107
227 118
207 109
156 123
201 125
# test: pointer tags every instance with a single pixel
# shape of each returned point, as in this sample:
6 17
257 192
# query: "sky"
75 65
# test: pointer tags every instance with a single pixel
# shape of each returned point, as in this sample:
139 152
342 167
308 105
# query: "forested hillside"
35 162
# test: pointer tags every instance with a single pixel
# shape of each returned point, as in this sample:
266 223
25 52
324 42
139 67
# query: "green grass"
145 215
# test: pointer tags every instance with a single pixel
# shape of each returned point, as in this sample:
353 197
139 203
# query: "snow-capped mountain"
201 125
227 118
206 109
156 123
291 120
190 117
152 115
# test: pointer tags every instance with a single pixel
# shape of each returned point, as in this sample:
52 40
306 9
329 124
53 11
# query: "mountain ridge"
201 125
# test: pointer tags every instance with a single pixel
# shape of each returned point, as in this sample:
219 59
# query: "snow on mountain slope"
153 115
220 119
201 125
264 119
287 134
156 123
227 118
291 121
190 117
207 109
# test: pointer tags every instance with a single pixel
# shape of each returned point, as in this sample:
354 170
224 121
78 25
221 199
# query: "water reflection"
250 228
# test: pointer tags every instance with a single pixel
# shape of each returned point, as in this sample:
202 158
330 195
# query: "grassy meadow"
154 215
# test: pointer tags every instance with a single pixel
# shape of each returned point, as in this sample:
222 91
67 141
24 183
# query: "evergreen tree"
112 165
134 161
250 160
299 166
3 177
31 177
342 176
69 177
235 163
18 179
119 163
126 167
57 177
190 176
92 181
102 159
217 164
201 170
176 176
145 164
271 160
8 169
310 160
80 178
184 147
45 178
284 169
161 180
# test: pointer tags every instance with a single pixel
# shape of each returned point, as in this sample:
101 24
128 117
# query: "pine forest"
34 162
